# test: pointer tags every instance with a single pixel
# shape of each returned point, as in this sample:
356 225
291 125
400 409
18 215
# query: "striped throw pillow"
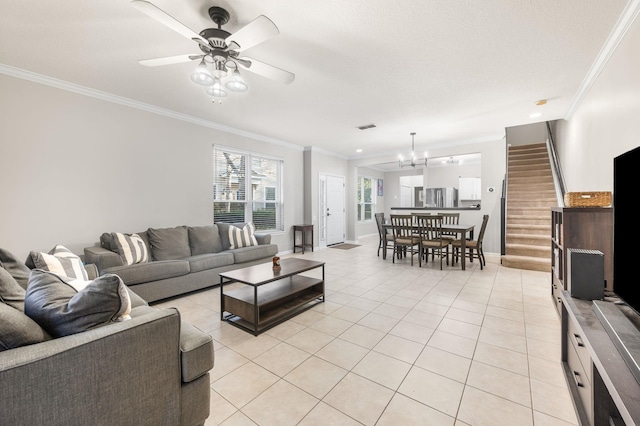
242 237
60 261
130 247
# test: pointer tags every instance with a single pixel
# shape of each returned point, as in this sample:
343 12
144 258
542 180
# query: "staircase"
530 196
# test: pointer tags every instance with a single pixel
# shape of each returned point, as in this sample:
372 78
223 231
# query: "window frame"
360 201
249 202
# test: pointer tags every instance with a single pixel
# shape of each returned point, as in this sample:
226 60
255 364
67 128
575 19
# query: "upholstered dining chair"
473 246
431 238
404 241
381 233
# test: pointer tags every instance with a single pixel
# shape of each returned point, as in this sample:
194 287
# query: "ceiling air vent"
367 126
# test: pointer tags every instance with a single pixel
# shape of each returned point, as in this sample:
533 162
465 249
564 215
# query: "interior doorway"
332 211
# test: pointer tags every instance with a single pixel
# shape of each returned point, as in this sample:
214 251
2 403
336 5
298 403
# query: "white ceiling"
451 71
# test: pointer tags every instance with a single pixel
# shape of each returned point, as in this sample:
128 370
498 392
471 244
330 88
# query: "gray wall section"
73 166
527 134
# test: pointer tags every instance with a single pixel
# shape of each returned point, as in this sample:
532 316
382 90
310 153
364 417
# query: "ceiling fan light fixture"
219 69
202 75
216 90
236 82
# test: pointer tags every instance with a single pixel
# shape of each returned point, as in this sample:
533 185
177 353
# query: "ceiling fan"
220 50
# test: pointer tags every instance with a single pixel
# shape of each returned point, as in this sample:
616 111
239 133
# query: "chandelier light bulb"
202 75
236 82
216 89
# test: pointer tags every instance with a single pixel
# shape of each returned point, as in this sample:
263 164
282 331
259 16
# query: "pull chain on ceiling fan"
220 50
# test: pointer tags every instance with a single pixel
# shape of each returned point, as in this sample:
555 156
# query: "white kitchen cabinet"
470 188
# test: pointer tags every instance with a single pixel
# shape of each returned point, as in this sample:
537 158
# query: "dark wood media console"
603 387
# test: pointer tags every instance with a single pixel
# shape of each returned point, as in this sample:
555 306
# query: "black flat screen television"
626 193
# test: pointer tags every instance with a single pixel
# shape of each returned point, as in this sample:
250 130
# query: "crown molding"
618 32
120 100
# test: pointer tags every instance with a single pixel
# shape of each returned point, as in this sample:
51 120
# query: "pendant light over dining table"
412 161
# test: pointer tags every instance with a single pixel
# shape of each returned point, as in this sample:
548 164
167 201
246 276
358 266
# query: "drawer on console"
574 335
578 376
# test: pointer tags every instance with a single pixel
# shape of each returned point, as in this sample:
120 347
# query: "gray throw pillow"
54 303
204 239
11 292
18 329
169 243
17 269
223 229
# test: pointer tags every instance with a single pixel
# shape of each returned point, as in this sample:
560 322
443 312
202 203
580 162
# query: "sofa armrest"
130 369
102 258
263 239
196 352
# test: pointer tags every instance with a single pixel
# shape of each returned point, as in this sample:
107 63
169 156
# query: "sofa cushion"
18 329
242 237
196 352
17 269
169 243
130 247
151 271
223 230
249 254
12 293
203 262
204 239
63 306
61 261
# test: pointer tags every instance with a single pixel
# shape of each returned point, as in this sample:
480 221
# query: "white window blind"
247 188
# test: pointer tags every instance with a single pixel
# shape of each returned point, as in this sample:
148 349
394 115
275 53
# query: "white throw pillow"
61 261
130 247
242 237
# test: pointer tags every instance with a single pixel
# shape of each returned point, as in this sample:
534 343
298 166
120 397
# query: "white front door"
335 209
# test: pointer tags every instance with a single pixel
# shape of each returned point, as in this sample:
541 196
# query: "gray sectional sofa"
152 369
180 259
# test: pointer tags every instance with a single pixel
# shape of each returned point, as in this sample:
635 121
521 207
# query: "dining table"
457 229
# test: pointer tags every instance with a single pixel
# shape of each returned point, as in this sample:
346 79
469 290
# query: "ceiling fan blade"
267 70
255 32
169 60
169 21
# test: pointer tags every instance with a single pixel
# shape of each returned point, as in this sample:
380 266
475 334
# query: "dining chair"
403 238
381 234
473 245
431 238
450 219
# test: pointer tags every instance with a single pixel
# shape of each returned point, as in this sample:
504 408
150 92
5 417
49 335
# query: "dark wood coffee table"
269 297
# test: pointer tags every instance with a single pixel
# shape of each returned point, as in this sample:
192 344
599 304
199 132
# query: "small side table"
303 229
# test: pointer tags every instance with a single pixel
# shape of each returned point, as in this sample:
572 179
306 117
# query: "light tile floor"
394 345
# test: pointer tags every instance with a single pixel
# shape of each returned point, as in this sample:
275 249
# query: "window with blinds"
366 198
247 188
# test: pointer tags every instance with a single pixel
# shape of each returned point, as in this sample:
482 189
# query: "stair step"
530 240
532 195
527 250
528 220
529 229
520 180
526 263
529 173
523 204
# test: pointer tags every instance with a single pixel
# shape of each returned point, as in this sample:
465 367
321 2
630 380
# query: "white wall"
74 166
606 123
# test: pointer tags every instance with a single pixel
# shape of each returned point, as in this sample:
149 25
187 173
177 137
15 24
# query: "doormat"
345 246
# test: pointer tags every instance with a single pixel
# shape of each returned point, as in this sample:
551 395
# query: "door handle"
328 214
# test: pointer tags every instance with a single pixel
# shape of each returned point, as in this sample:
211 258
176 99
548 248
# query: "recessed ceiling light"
535 115
358 150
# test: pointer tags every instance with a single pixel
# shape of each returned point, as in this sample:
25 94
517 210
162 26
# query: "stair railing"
556 170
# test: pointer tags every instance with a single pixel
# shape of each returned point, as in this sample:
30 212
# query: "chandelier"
413 161
451 161
213 80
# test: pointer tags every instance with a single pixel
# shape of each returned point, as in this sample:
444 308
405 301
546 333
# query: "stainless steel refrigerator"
441 197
